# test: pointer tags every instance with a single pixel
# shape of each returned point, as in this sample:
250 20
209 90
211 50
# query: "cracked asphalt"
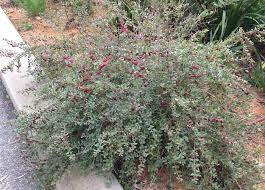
15 174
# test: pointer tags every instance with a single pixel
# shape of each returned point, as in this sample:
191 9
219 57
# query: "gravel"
15 174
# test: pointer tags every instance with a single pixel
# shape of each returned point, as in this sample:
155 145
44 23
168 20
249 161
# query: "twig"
238 185
263 181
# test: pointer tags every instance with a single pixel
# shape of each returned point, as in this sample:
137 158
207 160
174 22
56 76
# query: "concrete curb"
15 83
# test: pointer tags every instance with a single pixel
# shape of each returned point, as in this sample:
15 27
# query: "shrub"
33 7
81 7
258 77
137 102
223 18
248 48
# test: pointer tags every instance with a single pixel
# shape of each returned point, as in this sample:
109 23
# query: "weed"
26 26
33 7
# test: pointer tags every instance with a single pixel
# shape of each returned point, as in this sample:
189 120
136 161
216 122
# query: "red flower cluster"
136 63
216 120
123 28
85 89
88 77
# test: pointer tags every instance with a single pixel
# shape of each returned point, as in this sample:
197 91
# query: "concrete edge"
18 81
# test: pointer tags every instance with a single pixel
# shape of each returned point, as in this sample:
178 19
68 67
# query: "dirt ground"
57 23
257 141
257 108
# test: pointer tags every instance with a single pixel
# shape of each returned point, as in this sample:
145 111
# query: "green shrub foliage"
249 52
80 7
220 20
134 101
33 7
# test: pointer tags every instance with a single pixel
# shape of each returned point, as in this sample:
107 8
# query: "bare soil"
257 108
57 22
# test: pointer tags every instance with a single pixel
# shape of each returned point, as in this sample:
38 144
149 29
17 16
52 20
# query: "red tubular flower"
142 68
195 67
85 89
142 56
135 62
131 72
98 73
216 120
195 76
104 62
163 104
139 75
101 66
107 59
68 60
66 57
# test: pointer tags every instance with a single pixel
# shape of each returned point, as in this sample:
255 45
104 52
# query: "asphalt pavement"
15 173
